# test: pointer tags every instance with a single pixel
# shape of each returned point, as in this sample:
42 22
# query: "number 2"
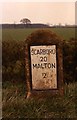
44 75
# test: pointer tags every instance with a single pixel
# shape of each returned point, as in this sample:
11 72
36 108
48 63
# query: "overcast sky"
39 12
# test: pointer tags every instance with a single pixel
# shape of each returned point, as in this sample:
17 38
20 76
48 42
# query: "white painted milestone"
43 67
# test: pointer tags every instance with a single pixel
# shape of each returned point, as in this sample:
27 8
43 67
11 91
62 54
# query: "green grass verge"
16 106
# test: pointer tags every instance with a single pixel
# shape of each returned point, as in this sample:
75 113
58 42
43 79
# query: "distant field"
21 34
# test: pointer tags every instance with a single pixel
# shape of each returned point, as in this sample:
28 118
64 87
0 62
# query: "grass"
15 105
21 34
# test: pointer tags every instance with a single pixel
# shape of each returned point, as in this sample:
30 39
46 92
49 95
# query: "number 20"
43 59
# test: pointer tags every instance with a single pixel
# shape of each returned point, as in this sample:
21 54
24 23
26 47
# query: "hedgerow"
13 60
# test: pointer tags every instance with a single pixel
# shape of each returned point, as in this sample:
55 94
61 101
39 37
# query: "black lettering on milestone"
35 52
51 51
41 59
41 51
38 66
38 52
45 64
54 51
49 65
47 52
53 65
41 66
34 66
44 51
32 51
44 75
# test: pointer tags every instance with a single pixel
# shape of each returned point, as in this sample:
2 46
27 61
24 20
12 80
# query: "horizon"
39 23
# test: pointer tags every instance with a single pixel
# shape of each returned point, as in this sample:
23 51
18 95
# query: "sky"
38 12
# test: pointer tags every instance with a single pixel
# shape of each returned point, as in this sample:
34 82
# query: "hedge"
13 60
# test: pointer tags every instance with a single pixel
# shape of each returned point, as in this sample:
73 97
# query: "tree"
25 21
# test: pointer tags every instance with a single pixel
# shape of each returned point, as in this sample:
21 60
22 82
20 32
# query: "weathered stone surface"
43 67
44 39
